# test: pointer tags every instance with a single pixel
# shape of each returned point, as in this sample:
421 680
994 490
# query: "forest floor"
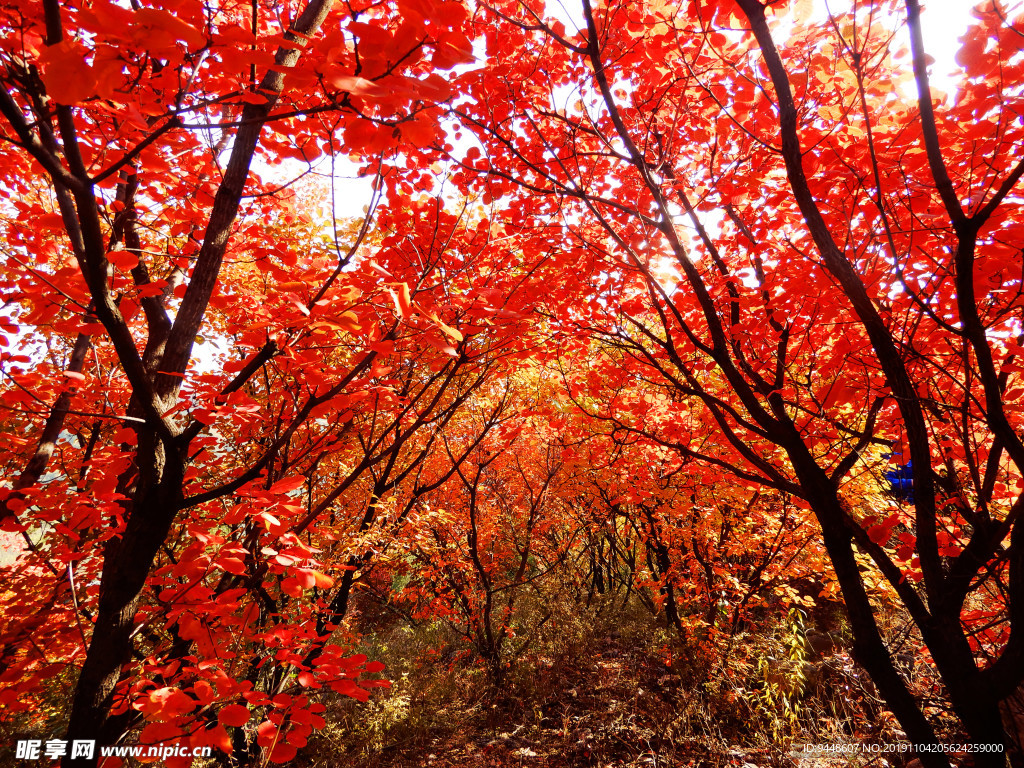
615 700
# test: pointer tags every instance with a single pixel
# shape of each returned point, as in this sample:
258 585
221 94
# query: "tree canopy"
709 298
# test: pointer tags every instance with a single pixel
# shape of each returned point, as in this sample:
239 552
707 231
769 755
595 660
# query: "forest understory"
606 684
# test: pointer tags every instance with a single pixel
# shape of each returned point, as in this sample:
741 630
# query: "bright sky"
942 23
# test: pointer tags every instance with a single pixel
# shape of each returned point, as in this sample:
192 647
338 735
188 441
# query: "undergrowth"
608 685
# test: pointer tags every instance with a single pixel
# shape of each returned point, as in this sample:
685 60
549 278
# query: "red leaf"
879 534
123 260
287 485
357 86
165 27
283 753
164 704
203 692
304 576
234 715
233 565
204 416
452 48
152 289
266 733
219 738
292 587
66 74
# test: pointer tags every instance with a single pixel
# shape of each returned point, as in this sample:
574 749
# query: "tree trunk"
127 562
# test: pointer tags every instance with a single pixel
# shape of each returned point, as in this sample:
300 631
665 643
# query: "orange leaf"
452 332
403 301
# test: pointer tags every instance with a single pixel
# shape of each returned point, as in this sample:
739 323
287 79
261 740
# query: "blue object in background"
901 482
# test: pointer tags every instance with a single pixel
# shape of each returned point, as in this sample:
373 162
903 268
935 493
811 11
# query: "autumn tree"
750 234
709 558
485 542
136 227
779 220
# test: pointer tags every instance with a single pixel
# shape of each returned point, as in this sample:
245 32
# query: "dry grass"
606 688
